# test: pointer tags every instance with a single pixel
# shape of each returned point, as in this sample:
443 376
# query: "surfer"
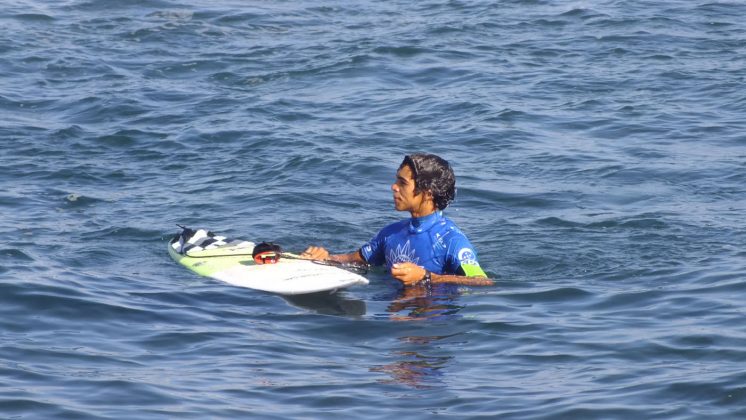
428 248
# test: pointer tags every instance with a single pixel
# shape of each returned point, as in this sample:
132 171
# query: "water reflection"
326 303
422 304
415 370
415 366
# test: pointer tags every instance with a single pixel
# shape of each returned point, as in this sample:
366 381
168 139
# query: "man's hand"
408 273
315 253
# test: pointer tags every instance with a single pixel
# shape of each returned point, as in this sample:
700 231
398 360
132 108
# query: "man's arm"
319 253
463 280
411 274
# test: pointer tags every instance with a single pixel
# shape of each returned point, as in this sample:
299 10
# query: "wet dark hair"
432 173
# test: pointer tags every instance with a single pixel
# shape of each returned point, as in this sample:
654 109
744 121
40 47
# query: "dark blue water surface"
600 150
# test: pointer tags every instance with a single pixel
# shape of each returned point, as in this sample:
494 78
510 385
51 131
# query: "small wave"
114 5
24 104
404 51
537 201
642 221
79 200
70 132
579 13
562 294
636 300
239 18
10 200
558 222
21 405
121 233
34 17
15 254
173 15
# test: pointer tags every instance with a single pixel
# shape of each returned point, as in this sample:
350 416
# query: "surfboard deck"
232 263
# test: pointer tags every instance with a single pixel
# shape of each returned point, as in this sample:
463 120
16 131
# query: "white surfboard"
232 262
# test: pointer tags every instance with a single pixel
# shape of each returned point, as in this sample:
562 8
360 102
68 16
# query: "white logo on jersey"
402 254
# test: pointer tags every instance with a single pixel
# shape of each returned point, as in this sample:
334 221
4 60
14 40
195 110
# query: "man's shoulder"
459 246
448 227
394 227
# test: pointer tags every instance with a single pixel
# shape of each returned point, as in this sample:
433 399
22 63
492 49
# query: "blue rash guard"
433 242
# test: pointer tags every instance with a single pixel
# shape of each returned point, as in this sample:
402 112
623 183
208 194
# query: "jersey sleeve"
373 250
462 258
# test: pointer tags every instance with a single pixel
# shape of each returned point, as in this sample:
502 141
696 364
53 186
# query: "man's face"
404 197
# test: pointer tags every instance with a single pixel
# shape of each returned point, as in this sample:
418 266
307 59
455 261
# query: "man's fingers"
315 253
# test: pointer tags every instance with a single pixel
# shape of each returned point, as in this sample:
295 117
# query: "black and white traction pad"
189 240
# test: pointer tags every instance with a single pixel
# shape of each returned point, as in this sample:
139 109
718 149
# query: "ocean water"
600 154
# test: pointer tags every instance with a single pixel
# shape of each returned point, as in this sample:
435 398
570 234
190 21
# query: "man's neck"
422 212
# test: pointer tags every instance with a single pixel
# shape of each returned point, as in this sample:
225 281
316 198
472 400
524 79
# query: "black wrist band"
427 280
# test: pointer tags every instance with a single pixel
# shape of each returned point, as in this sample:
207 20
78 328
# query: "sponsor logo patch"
467 256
